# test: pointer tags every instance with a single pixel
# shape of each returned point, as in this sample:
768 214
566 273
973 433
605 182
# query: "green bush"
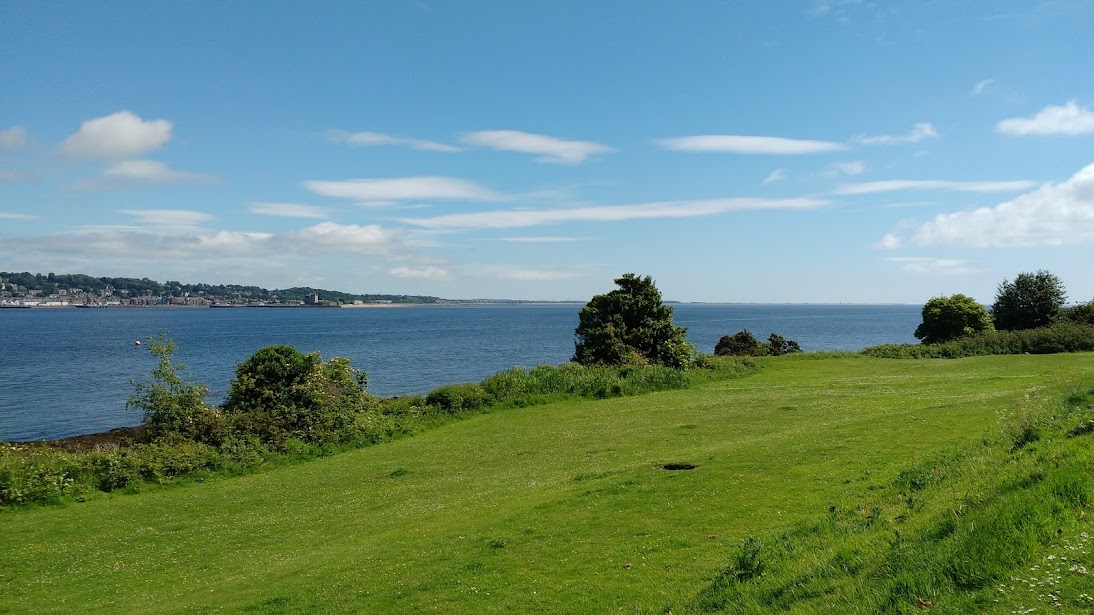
453 398
280 393
740 344
947 318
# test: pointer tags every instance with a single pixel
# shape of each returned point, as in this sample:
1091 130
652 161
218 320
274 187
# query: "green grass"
560 508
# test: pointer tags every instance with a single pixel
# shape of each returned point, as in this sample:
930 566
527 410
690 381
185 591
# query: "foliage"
744 344
280 393
520 387
1031 300
630 326
457 397
1063 336
947 318
171 404
1080 313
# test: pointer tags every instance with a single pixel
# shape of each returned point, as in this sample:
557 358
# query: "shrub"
457 397
1060 337
740 344
173 405
777 345
280 393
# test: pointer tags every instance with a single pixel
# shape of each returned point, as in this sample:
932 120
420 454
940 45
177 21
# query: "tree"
172 404
1031 300
628 326
946 318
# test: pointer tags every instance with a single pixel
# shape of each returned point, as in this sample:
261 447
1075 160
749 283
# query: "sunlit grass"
565 507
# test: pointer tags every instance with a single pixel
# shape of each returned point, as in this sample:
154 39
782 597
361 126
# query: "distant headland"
36 290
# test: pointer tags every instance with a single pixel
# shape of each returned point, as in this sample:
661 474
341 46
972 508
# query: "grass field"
563 508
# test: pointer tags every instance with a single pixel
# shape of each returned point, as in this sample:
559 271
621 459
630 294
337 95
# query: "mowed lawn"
563 508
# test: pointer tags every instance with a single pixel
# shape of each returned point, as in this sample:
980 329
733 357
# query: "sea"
66 371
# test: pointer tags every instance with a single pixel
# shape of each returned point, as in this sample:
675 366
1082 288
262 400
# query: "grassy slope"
559 508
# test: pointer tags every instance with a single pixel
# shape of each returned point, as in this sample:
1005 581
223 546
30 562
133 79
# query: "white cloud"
327 237
168 217
918 132
979 88
148 171
7 215
1070 120
543 239
370 139
194 245
402 189
1053 214
537 276
897 185
778 175
13 138
420 273
855 167
288 210
120 135
549 149
935 266
742 144
891 241
516 218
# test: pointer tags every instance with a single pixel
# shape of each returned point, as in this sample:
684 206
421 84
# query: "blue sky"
827 151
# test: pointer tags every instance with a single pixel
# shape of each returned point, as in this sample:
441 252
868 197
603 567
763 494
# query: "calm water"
67 371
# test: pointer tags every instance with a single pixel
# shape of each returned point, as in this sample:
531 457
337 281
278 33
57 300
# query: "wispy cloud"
13 138
979 88
918 133
517 218
168 217
743 144
420 273
7 215
288 210
1053 214
778 175
547 148
152 171
934 266
1070 120
372 139
854 167
120 135
897 185
541 239
15 175
402 189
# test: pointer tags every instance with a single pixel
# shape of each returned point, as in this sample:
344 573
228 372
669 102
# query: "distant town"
26 290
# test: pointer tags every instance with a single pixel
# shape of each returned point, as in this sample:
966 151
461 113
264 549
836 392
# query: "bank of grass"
566 507
53 473
1000 525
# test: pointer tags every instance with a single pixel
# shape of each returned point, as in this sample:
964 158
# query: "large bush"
744 344
947 318
281 393
630 326
1031 300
